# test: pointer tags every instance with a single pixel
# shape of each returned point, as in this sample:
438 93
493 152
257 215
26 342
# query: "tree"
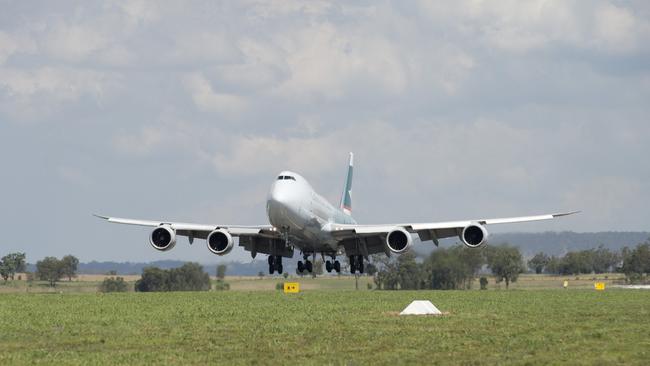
505 262
553 265
453 268
408 271
604 260
636 262
49 269
69 263
370 269
189 277
221 271
12 263
153 279
113 284
484 283
538 262
574 263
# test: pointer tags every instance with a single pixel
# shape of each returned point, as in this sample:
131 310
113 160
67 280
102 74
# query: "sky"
187 110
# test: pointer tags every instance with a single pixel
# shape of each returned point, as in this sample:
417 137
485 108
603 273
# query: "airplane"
301 219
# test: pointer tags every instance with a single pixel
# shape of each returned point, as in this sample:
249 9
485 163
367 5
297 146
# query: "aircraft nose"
279 194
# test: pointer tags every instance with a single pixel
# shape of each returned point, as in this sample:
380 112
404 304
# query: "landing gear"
356 263
306 266
333 265
275 264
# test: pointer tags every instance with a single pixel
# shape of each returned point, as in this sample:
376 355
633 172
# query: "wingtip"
566 213
101 217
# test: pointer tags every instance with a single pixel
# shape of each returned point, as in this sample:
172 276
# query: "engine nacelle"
163 238
474 235
399 240
220 242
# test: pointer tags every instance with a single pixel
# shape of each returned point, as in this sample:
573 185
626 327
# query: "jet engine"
220 242
163 238
398 240
474 235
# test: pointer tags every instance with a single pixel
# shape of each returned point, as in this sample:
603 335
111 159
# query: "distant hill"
558 243
553 243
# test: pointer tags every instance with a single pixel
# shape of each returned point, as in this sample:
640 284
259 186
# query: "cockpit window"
286 177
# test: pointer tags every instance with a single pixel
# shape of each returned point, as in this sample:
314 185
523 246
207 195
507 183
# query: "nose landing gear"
306 266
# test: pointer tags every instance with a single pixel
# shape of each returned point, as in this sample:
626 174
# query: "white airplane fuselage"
294 206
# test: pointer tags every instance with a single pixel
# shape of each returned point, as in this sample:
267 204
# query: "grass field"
326 327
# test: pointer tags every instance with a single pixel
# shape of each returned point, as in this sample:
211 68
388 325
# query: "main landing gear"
333 265
275 264
356 263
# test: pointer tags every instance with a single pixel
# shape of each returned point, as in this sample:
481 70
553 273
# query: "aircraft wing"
374 235
198 230
255 238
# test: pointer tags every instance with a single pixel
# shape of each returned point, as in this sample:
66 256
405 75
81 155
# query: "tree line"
448 268
49 269
458 267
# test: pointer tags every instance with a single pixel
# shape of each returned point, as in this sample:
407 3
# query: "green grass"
326 327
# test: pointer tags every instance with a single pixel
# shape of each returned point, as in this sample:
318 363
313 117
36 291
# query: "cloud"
11 44
207 99
454 110
33 93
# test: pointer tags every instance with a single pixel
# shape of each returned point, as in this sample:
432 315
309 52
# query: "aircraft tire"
301 267
308 266
328 266
337 266
271 268
280 269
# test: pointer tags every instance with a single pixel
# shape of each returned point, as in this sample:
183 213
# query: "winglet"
566 213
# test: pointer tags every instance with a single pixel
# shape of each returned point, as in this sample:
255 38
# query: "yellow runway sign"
599 286
291 287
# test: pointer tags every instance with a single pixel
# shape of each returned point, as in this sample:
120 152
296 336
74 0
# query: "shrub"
221 286
189 277
279 286
484 283
113 284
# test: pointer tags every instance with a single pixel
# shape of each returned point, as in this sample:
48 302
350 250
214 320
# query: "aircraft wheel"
301 266
337 266
280 269
309 266
328 266
271 269
270 260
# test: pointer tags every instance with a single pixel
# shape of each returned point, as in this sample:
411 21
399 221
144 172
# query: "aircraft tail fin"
346 197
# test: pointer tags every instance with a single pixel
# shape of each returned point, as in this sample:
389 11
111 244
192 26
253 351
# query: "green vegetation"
10 264
189 277
114 284
505 262
52 269
326 327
